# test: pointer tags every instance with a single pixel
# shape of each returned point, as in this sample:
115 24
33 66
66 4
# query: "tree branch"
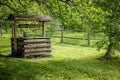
9 7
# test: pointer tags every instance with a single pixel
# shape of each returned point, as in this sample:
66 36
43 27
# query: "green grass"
68 62
5 45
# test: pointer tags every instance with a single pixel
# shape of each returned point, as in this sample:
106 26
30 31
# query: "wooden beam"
37 50
36 41
37 54
28 25
28 17
34 46
15 36
13 30
43 29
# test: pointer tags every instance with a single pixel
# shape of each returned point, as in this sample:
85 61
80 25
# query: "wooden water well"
29 47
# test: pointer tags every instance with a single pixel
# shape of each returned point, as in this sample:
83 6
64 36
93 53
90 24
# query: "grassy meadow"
68 61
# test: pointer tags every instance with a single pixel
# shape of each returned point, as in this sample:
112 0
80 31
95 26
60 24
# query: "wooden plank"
37 41
30 38
29 17
43 45
37 54
37 50
29 25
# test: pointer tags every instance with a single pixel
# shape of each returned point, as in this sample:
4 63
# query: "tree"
75 14
111 25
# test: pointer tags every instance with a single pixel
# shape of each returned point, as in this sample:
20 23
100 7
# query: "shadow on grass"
66 69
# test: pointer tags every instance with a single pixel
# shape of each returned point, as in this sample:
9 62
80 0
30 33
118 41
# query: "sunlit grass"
67 62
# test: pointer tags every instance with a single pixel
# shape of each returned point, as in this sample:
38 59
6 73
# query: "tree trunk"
109 48
108 52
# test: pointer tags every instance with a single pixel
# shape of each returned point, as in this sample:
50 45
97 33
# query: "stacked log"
32 47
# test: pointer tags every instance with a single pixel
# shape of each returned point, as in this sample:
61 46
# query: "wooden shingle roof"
28 17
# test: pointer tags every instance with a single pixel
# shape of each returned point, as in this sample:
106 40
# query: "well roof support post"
13 30
43 29
15 36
